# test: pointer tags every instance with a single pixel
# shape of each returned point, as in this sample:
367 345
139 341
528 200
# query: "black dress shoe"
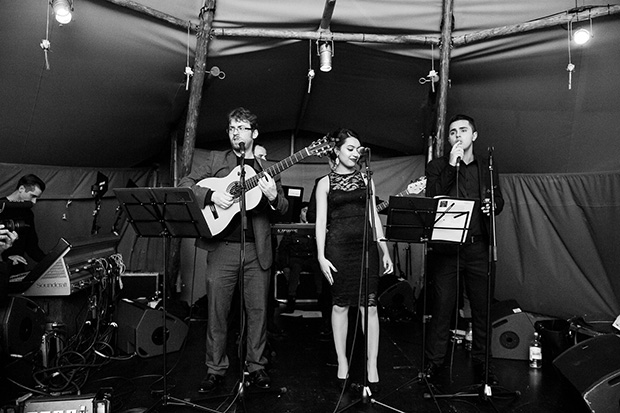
210 382
260 379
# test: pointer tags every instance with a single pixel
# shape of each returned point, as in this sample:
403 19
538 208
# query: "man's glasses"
233 129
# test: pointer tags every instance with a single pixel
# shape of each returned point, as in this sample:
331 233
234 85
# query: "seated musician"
18 207
7 238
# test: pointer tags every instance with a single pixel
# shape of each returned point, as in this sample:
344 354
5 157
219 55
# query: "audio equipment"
141 331
22 326
593 368
398 297
512 330
67 269
88 403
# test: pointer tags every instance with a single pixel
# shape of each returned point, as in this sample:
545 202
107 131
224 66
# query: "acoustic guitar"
218 218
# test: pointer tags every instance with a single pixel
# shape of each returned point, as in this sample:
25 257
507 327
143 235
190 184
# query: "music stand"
422 220
164 213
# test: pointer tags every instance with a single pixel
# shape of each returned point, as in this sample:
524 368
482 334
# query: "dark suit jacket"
219 164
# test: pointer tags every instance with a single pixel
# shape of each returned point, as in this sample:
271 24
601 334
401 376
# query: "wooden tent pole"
191 124
328 11
198 79
585 13
444 76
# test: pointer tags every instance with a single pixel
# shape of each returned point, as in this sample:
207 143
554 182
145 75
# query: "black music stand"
422 220
164 213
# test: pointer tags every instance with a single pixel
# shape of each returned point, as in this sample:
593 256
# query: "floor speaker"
512 330
23 326
593 367
398 296
141 330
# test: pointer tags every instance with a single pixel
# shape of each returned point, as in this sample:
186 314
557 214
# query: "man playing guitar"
223 260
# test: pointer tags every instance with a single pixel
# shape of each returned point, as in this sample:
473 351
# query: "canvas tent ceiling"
115 91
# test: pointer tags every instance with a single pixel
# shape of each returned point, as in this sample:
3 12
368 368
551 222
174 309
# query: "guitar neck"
385 204
279 167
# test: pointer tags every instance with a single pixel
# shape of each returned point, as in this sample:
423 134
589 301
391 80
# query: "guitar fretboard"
279 167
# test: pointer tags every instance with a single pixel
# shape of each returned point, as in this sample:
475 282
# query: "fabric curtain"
558 243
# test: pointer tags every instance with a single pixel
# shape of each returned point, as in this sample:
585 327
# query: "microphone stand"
369 225
486 392
241 280
492 260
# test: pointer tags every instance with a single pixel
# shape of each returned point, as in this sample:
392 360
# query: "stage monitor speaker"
140 330
23 326
512 330
398 297
593 367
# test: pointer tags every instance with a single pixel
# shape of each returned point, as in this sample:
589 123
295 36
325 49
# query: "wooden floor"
302 367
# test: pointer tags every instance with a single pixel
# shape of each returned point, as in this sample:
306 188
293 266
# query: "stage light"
326 52
581 36
63 10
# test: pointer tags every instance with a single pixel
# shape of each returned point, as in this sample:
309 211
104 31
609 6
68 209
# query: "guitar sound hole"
235 190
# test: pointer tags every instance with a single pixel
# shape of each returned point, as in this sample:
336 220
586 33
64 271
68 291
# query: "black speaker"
141 330
512 330
23 325
593 367
398 296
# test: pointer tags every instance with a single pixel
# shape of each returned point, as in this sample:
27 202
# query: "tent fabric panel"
557 243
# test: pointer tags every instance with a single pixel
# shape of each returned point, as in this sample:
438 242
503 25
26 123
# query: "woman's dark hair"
338 137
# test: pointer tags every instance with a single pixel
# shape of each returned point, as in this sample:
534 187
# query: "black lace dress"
344 241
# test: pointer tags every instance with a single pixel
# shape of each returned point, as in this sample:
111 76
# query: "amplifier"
88 403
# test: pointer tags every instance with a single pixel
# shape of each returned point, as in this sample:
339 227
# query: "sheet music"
452 219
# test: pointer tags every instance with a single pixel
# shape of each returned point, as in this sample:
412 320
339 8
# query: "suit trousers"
472 263
223 265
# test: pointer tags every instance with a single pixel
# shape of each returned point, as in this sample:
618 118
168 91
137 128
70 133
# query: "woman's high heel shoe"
341 383
374 387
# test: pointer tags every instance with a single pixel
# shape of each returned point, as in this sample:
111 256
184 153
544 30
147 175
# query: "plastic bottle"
469 337
535 352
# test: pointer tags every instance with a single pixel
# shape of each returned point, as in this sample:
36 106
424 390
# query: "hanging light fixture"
581 35
326 52
63 10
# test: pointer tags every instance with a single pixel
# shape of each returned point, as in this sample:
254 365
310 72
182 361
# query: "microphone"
242 147
363 150
458 162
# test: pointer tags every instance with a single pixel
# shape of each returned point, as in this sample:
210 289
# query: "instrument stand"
413 220
164 213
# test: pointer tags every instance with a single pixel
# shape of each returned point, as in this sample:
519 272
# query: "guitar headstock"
320 147
417 187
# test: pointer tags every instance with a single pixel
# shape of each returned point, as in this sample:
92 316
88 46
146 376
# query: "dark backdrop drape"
558 244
